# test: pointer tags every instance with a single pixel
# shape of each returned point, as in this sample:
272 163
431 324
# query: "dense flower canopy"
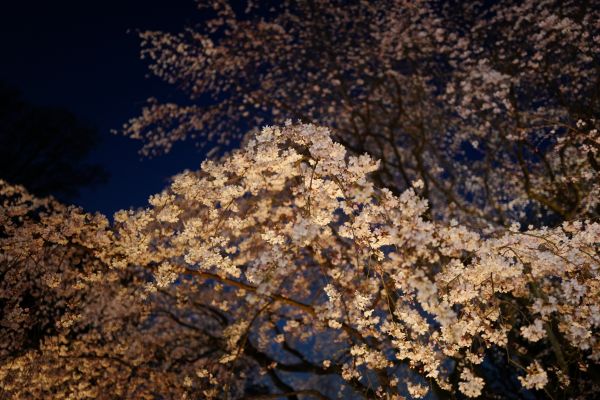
493 105
430 229
286 255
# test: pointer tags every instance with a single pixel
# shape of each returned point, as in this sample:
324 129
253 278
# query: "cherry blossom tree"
284 268
440 239
493 105
70 326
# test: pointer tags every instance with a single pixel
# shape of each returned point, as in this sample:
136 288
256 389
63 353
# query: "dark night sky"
79 56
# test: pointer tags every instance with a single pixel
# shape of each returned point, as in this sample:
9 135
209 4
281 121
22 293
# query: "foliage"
44 148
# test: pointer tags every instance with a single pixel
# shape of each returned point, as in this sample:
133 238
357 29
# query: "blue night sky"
79 56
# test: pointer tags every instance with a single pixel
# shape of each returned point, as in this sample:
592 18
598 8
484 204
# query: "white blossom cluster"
292 215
